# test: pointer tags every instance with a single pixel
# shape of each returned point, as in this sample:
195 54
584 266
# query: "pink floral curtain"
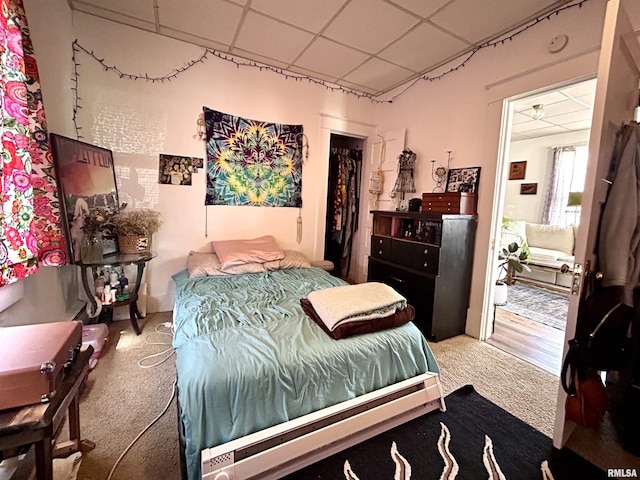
30 218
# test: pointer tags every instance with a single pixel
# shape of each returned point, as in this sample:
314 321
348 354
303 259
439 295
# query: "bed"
250 361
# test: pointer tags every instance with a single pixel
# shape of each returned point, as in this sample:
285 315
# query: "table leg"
134 312
44 459
88 291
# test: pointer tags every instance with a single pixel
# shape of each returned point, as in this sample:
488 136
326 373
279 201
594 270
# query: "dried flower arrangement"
98 222
141 221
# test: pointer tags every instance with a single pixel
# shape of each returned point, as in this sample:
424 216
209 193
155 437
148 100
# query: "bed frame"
285 448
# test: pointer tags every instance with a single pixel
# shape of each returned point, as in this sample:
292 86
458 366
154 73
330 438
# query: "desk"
37 424
117 260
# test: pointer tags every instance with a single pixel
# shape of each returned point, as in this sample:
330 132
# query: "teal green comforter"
249 358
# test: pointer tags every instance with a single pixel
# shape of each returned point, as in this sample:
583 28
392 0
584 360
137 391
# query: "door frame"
499 194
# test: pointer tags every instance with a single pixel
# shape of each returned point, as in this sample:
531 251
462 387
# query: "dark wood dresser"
427 257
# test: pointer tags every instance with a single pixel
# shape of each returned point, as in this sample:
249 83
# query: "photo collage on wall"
178 170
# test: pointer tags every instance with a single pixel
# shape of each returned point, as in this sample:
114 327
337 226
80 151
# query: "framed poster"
528 188
86 181
517 170
463 180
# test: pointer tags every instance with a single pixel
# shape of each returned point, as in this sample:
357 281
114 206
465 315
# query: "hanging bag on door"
602 341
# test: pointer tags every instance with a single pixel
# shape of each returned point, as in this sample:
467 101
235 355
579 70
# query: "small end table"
37 424
117 260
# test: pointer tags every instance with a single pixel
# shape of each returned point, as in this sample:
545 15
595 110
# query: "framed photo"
86 180
175 170
517 170
528 188
463 180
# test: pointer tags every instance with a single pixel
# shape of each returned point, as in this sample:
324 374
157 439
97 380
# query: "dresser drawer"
381 247
441 207
425 258
449 202
416 288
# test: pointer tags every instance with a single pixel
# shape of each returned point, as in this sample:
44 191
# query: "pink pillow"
238 252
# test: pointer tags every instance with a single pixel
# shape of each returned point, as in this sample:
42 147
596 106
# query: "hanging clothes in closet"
344 199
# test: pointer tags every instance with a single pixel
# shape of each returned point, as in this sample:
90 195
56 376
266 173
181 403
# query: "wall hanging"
252 163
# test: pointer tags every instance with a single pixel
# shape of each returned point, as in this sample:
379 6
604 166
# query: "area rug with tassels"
473 439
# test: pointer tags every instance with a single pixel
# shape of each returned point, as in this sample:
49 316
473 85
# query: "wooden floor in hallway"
532 341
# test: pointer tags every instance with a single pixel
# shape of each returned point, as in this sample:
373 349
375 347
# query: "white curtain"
555 206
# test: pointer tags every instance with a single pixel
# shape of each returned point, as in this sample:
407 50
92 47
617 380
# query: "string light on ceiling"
77 47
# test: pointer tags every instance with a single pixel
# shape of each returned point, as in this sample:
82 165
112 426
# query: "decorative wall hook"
200 129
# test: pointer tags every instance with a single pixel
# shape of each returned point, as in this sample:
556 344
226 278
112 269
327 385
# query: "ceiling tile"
330 58
141 9
258 58
580 89
271 38
378 74
186 37
543 132
306 14
409 53
194 18
581 115
423 8
369 25
581 125
476 20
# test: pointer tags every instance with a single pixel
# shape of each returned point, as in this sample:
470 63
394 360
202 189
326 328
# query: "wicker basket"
134 243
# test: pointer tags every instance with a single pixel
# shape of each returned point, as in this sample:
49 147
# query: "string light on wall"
77 47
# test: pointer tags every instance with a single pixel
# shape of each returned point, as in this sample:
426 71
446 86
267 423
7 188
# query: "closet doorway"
343 204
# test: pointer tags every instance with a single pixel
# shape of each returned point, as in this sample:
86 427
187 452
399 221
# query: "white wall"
139 120
462 112
538 154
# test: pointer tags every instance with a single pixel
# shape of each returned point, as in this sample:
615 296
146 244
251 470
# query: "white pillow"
552 237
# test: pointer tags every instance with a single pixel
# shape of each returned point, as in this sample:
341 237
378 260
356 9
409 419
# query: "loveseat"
551 247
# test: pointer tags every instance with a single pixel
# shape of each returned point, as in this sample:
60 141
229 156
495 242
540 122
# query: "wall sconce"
538 111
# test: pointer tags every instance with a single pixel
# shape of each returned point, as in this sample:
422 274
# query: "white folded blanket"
360 302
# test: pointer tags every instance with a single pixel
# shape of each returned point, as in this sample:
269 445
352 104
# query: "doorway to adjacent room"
544 169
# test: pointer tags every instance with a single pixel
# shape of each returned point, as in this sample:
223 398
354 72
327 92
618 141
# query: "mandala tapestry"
254 163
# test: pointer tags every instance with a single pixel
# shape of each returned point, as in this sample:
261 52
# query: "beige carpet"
121 398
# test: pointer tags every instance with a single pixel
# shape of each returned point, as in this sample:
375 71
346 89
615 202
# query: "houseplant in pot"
135 228
512 258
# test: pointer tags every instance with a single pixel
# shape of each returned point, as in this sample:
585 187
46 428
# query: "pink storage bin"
96 336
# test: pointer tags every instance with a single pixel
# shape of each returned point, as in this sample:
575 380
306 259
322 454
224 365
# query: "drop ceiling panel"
543 132
377 74
424 8
584 114
409 53
370 25
115 16
141 9
270 38
581 125
587 88
330 58
309 15
476 20
194 17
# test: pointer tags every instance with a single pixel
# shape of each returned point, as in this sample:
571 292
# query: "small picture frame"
528 188
517 170
463 180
